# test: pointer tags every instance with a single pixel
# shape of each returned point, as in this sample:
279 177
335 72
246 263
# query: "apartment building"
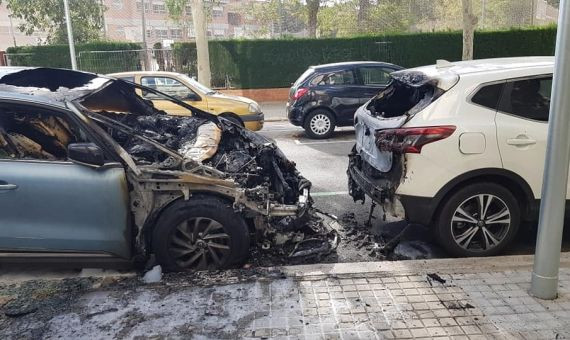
123 21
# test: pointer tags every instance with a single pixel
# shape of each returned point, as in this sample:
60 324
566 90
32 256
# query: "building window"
234 19
146 6
162 33
176 33
159 8
118 4
217 11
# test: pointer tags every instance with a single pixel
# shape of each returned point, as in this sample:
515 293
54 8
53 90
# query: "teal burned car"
91 171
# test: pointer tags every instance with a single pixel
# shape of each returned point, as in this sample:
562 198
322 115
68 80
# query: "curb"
270 120
420 267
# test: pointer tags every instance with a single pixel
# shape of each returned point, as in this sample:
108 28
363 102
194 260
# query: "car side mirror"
86 153
193 97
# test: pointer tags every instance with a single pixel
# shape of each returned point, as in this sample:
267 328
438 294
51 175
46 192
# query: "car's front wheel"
203 233
319 124
478 220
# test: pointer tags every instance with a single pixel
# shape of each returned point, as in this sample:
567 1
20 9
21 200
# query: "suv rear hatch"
380 141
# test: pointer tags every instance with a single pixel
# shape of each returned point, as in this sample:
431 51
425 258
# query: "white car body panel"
484 132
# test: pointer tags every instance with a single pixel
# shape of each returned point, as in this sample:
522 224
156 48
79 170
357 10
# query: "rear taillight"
300 93
411 140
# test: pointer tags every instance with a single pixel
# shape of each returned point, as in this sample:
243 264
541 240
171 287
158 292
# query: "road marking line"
329 193
327 142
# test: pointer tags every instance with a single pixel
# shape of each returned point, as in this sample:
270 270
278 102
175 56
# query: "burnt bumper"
417 209
360 184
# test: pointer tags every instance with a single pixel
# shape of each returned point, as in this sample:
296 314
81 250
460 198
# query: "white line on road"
326 142
329 193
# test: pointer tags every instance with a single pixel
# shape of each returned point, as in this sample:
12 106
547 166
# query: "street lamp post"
555 179
70 35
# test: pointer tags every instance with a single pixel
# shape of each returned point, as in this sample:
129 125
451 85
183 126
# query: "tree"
48 16
175 8
312 14
469 23
350 17
362 18
276 17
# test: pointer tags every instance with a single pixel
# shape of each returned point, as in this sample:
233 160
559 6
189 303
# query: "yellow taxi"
240 110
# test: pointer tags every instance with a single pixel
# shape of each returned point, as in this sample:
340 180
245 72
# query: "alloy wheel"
320 124
200 243
480 223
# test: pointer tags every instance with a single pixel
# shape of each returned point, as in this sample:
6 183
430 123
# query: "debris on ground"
457 305
154 275
435 277
394 240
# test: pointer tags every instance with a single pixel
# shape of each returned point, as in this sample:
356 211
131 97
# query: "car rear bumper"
295 115
416 209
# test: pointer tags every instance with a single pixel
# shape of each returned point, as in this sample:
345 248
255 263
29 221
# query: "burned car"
448 146
91 170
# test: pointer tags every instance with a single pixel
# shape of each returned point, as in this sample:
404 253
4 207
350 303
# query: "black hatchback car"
327 96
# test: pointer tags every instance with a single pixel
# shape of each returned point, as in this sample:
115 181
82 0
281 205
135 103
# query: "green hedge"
58 56
278 63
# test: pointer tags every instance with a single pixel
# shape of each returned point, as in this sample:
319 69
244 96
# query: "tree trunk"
312 12
362 18
469 23
200 30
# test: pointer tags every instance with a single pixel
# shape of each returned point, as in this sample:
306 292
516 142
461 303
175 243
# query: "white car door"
522 127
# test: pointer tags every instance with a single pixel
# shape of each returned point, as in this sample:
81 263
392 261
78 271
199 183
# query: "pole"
544 283
70 35
12 30
483 5
103 22
144 35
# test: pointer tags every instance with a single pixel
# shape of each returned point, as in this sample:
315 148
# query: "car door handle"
520 141
8 187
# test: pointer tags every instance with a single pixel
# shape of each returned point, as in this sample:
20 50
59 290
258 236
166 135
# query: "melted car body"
160 162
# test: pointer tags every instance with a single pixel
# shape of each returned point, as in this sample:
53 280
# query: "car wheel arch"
150 223
508 179
319 107
232 115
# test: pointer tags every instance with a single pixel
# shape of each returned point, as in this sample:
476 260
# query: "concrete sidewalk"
477 298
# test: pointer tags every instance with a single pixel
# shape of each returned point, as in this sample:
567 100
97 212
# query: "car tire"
203 233
467 226
234 119
319 124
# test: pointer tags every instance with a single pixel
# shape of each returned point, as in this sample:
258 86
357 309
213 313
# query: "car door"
49 203
522 127
372 79
340 91
174 88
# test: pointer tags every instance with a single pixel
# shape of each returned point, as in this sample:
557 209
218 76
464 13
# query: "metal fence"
108 61
127 60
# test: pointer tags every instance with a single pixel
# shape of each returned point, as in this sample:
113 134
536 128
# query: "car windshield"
201 88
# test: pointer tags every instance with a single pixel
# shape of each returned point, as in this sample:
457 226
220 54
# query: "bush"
123 59
278 63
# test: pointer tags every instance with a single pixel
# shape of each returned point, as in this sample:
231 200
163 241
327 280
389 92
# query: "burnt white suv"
458 146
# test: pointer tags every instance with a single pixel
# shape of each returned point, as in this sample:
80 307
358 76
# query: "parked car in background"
460 146
240 110
327 96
